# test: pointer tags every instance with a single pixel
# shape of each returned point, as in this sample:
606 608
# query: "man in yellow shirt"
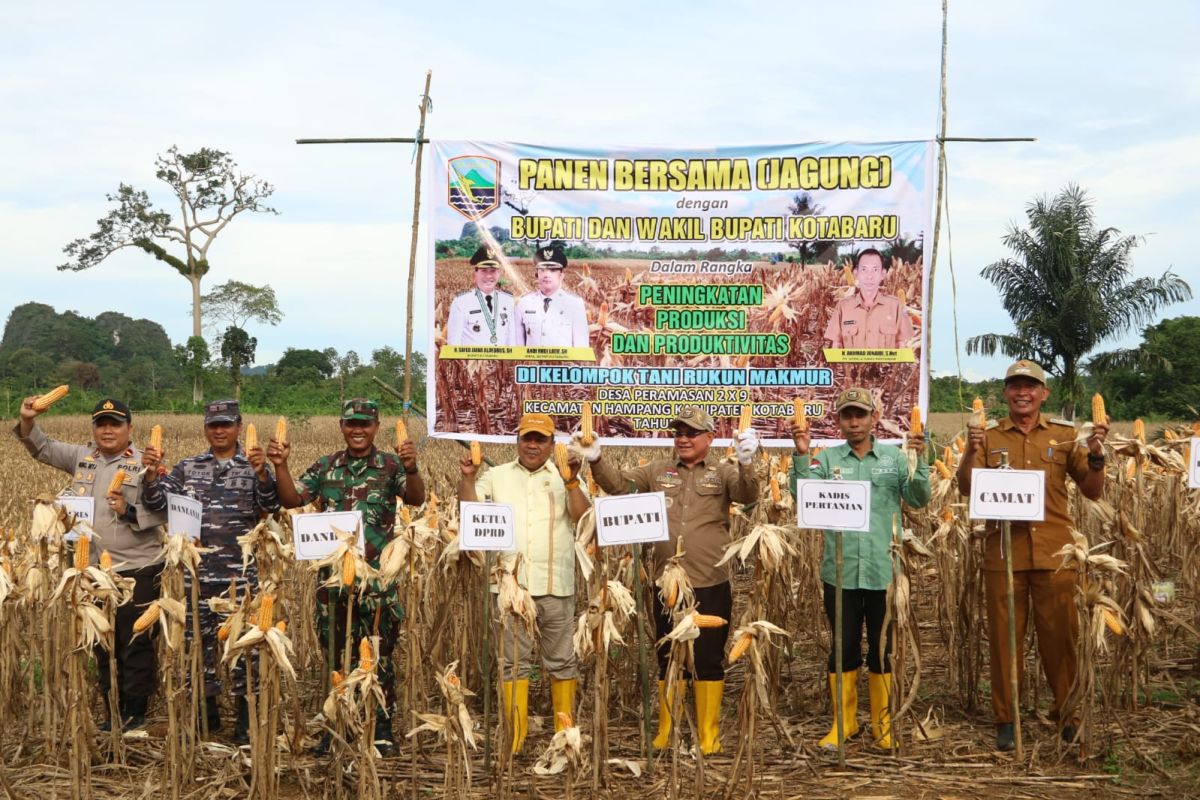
545 510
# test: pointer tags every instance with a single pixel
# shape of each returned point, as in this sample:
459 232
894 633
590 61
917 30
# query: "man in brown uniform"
698 489
867 318
1033 442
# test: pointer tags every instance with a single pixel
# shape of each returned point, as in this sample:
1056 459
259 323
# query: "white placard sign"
631 518
487 526
184 515
834 505
82 508
1194 466
1012 494
315 537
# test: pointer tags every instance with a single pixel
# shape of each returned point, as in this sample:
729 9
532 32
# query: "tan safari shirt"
697 507
883 324
1049 447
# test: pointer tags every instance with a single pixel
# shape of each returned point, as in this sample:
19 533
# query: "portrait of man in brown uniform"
869 318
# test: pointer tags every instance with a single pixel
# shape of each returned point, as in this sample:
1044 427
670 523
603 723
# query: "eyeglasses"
688 433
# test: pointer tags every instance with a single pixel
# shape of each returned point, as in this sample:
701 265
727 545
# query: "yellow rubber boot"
562 696
708 714
847 704
880 687
516 709
663 737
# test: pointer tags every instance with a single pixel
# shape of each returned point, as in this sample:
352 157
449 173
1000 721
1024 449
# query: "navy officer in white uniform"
483 315
551 316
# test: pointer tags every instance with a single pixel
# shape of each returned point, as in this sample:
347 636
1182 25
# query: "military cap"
695 418
855 398
111 407
222 411
360 408
486 257
1026 369
535 423
551 257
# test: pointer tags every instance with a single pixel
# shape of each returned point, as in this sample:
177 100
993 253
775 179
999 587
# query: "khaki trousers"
1051 595
556 629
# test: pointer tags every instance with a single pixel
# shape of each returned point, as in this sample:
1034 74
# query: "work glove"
745 444
590 453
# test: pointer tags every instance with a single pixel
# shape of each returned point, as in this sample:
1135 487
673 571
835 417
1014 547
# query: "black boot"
106 726
212 710
322 747
135 712
385 741
241 728
1004 737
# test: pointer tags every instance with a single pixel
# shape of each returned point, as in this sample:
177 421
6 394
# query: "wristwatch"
1095 462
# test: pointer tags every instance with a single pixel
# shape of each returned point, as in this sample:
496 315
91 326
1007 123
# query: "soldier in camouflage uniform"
366 479
236 488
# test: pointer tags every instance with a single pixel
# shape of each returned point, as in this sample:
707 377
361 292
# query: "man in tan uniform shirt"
1033 442
868 318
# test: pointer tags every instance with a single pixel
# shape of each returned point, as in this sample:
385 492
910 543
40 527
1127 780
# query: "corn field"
1135 696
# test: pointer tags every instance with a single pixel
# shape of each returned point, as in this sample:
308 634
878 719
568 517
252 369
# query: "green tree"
1159 378
235 303
303 365
210 191
193 358
1068 289
237 351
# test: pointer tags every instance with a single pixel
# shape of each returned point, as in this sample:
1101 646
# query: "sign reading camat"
1013 494
834 505
631 519
184 516
486 526
83 509
316 537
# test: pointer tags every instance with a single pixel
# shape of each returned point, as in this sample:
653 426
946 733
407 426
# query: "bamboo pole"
1014 680
644 615
426 105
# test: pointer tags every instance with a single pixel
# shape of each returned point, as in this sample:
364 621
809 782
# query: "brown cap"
855 398
536 423
1026 369
695 418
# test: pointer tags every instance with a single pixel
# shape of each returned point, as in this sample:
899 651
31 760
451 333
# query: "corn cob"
117 481
562 461
947 455
1114 624
848 274
746 420
433 501
708 620
106 561
1139 430
587 434
348 568
902 296
281 430
1098 415
224 631
251 436
366 656
1168 434
960 444
476 453
147 618
740 647
42 402
405 515
156 437
776 494
401 432
915 427
81 552
977 417
335 678
628 275
266 611
775 315
799 418
602 317
947 514
281 626
942 469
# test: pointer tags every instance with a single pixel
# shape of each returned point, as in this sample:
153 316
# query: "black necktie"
488 297
545 305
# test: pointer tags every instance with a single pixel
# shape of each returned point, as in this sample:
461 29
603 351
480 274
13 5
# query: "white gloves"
590 453
745 444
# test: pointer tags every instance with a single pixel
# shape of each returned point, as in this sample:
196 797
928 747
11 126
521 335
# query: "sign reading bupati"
834 505
1194 463
1012 494
316 538
631 518
184 515
486 526
641 280
83 509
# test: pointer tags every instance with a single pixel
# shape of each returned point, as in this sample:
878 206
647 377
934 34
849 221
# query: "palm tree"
1068 289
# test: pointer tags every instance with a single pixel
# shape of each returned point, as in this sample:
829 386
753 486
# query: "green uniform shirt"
866 557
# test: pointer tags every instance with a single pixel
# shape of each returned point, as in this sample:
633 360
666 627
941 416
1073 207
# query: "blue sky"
93 92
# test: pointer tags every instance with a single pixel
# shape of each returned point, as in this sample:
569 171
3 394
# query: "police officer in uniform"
236 488
482 315
551 316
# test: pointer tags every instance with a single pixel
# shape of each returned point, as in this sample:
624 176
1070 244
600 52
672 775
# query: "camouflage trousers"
215 583
370 609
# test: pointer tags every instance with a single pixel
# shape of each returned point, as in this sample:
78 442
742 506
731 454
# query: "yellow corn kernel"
117 481
281 432
82 548
348 568
147 618
1139 430
848 274
587 433
977 413
366 655
602 317
947 514
915 427
562 461
266 611
799 418
708 620
1098 415
335 678
746 420
405 515
401 432
776 494
156 437
1113 623
42 402
433 501
740 647
281 626
476 453
251 436
942 469
106 561
224 631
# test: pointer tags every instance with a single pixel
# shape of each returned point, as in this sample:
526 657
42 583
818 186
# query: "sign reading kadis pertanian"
184 515
1012 494
83 509
315 537
834 505
631 518
486 526
644 280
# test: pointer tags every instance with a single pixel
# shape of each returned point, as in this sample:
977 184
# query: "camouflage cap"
551 256
111 407
535 423
360 408
855 398
486 257
222 411
695 418
1026 369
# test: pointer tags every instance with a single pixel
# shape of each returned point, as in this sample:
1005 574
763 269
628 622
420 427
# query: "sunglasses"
688 433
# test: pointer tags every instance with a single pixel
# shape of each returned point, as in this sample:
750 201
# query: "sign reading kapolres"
644 280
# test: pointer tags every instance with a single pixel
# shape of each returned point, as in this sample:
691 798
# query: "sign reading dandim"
316 537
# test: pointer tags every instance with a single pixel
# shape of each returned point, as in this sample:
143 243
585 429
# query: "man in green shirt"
866 557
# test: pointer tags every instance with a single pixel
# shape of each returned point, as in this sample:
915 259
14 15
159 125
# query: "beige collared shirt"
883 324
